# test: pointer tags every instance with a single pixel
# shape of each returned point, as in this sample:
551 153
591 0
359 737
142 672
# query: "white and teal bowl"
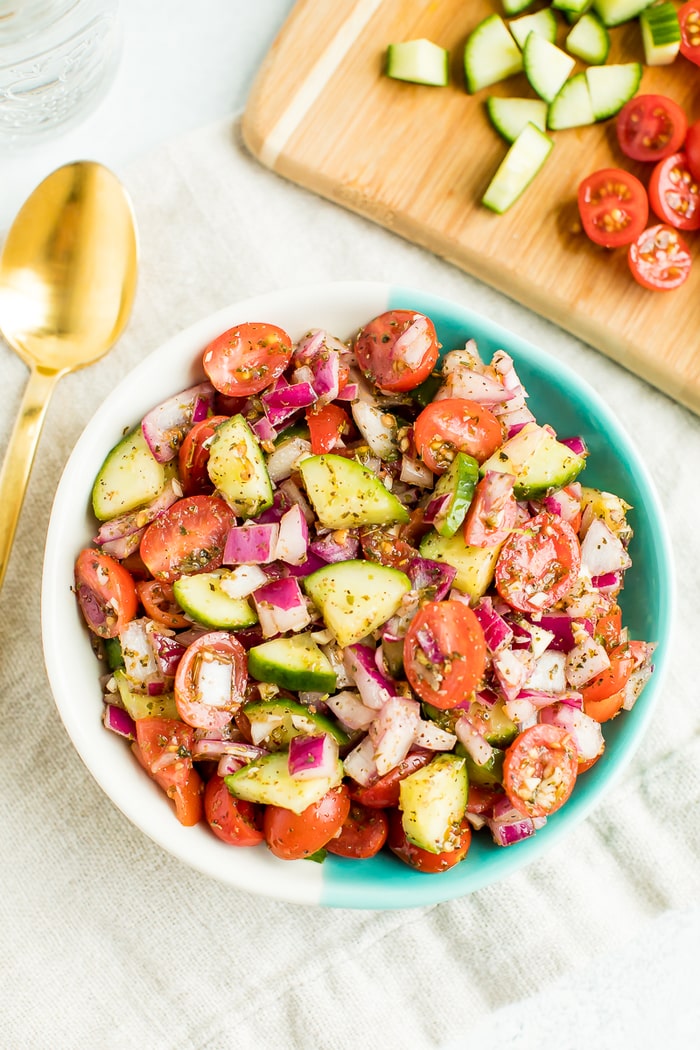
557 395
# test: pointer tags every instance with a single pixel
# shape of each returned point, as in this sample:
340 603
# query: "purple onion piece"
576 444
282 594
165 426
251 544
312 756
425 573
119 721
331 549
428 643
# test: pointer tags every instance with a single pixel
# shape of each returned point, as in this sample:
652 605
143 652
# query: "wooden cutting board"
417 160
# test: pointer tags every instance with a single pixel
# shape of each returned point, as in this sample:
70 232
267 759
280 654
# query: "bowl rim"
338 883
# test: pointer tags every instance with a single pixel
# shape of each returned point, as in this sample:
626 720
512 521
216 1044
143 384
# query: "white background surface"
185 65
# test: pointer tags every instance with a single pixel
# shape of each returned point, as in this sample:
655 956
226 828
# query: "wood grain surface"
417 160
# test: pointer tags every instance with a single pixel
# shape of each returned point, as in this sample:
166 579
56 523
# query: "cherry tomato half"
455 425
105 591
613 206
246 359
674 193
689 20
383 546
189 537
692 149
163 746
193 457
539 564
650 127
293 836
383 793
362 835
539 770
398 349
660 259
232 820
422 859
158 600
210 680
327 426
444 653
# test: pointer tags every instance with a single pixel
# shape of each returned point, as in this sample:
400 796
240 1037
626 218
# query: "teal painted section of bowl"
558 396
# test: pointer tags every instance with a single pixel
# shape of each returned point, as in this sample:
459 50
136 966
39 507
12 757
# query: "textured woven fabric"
107 942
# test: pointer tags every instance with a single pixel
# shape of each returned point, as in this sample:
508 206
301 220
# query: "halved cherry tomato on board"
383 793
106 592
660 259
674 193
398 349
650 127
247 358
540 769
689 20
293 836
159 603
326 426
613 206
210 680
193 457
422 859
444 653
233 820
189 537
163 746
539 564
362 835
492 512
691 148
453 425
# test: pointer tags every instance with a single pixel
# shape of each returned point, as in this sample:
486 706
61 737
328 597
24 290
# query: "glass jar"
57 59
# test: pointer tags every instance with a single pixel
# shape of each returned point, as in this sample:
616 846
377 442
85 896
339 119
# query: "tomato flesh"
650 127
613 206
193 457
422 859
674 193
398 349
660 259
189 537
492 512
327 426
158 600
539 564
689 20
384 792
540 769
233 820
293 836
692 149
106 592
362 835
164 748
246 359
455 425
444 653
210 680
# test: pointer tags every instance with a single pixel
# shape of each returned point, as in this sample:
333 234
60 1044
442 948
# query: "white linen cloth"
108 942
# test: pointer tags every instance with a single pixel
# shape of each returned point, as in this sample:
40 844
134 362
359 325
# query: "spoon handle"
19 457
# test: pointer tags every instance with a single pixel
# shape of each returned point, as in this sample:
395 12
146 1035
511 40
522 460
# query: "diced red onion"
359 764
639 677
586 660
474 386
309 565
285 458
349 709
396 627
348 392
281 607
512 670
119 721
124 546
475 742
497 633
602 551
507 825
436 507
576 444
263 429
293 537
393 731
374 688
251 544
415 472
560 626
432 737
415 342
548 672
424 574
312 756
140 664
340 545
373 423
282 399
608 583
165 426
211 747
325 367
522 712
242 581
430 646
586 733
168 651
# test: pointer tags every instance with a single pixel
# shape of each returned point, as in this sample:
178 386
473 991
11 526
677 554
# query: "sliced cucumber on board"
490 54
572 107
611 86
543 22
418 61
615 12
546 66
129 478
589 40
661 34
510 115
516 7
572 9
518 168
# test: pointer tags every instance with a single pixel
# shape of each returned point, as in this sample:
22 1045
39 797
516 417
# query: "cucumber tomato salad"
354 596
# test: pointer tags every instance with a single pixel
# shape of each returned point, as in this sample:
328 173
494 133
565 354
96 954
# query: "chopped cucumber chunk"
589 40
475 565
418 61
490 54
611 86
129 478
538 461
543 22
274 723
237 468
204 599
516 7
518 168
661 34
546 66
510 115
614 12
433 801
296 662
356 597
141 705
267 780
572 107
345 494
572 9
456 488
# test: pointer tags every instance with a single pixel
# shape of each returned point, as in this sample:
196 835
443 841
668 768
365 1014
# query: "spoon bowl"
67 283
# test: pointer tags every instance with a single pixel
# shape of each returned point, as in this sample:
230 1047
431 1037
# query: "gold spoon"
67 283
